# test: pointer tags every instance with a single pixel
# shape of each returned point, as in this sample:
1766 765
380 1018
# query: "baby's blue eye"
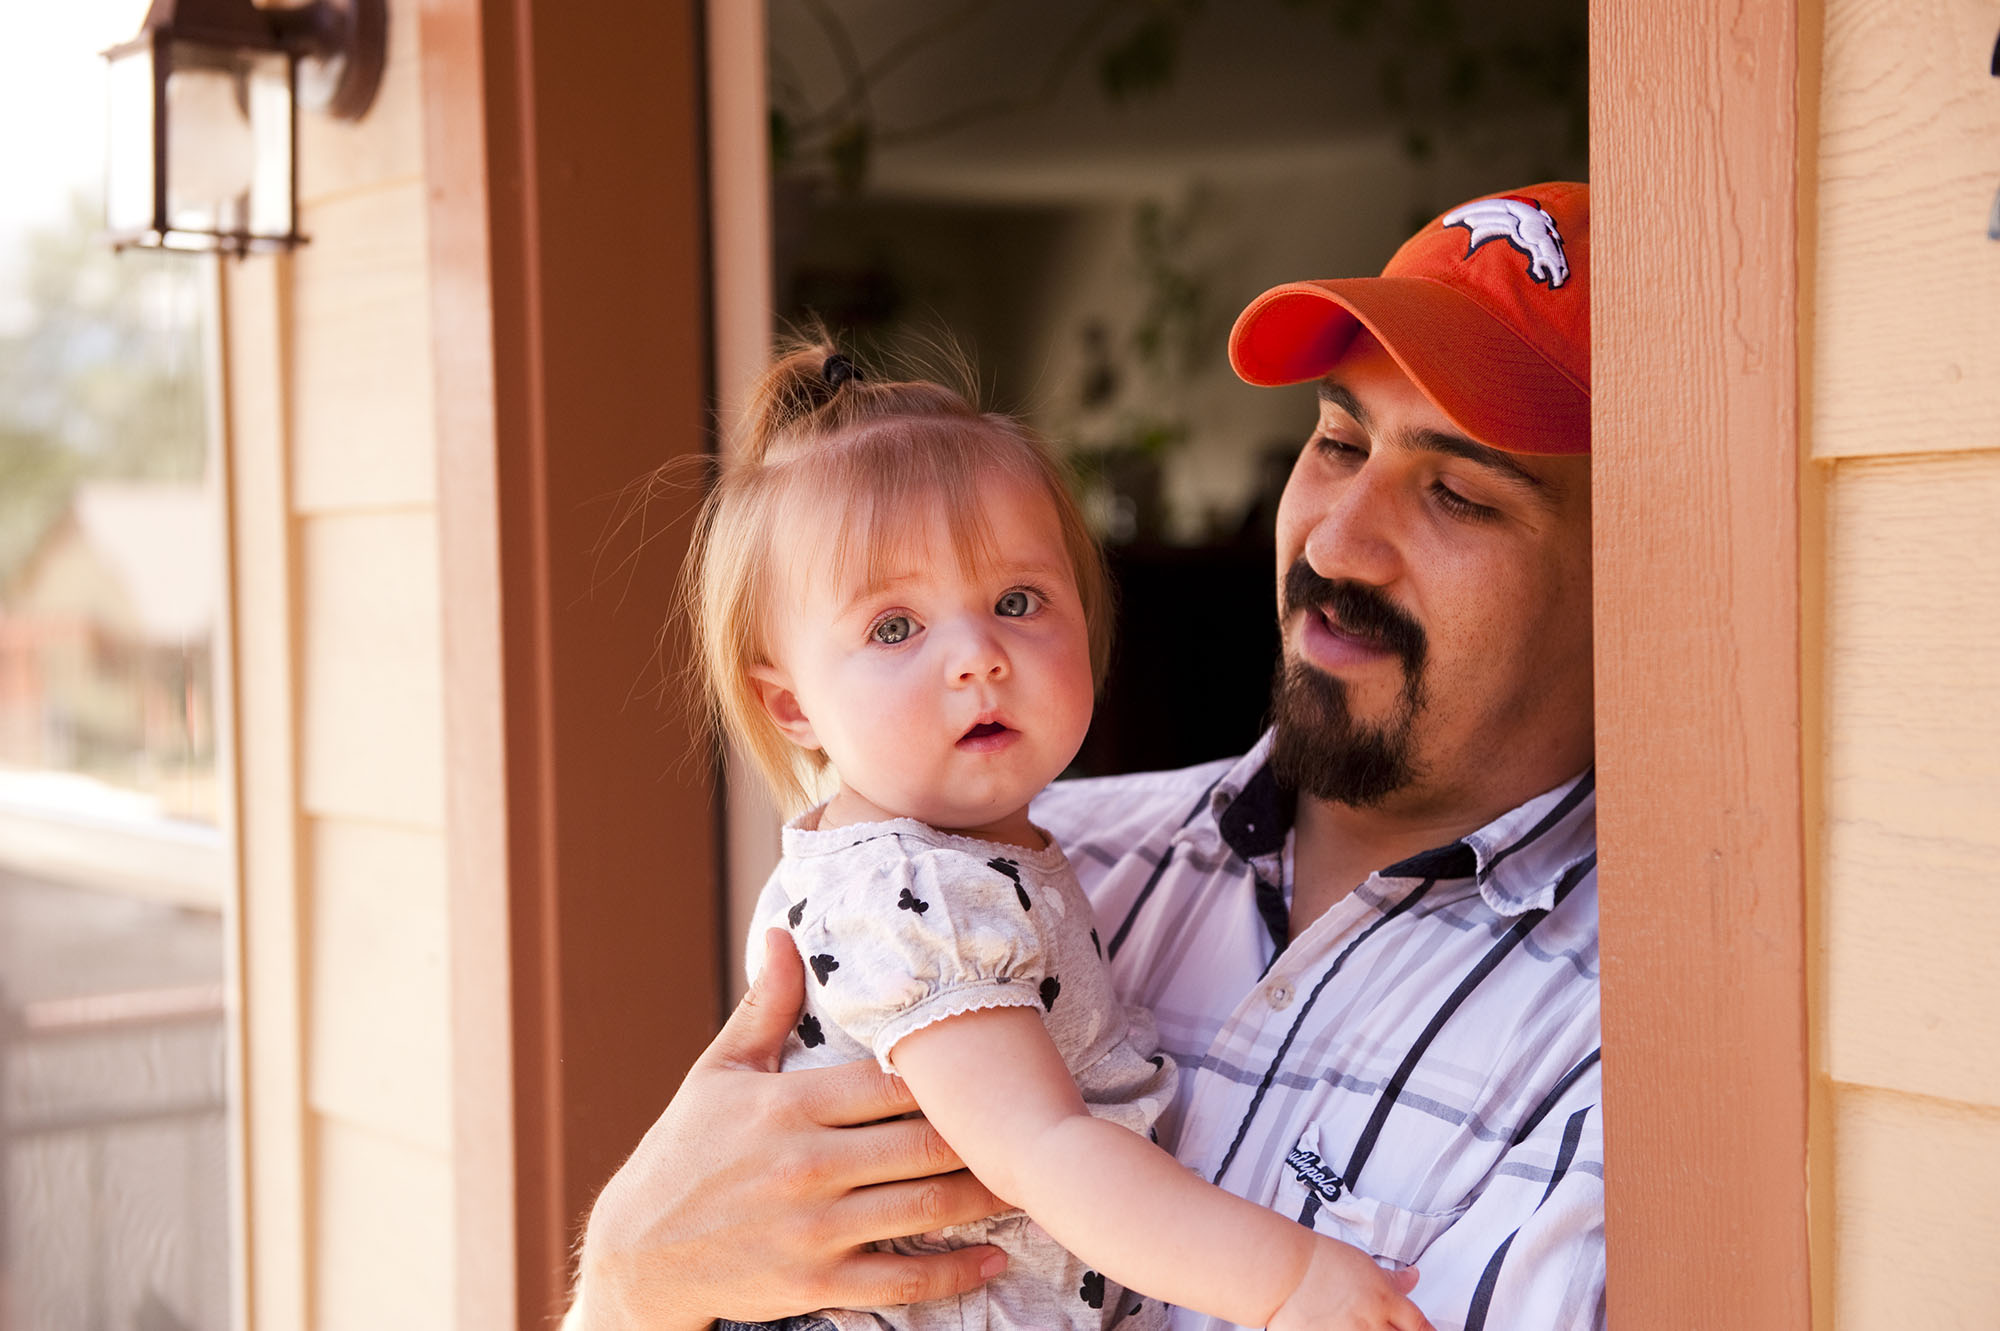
1016 603
891 630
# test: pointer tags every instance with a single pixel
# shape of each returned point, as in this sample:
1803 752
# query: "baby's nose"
981 657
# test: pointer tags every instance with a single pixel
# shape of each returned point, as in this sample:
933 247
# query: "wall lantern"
203 117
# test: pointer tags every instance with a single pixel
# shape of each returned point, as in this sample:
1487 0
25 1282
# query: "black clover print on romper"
908 901
810 1035
1050 988
823 966
1012 871
1092 1289
796 913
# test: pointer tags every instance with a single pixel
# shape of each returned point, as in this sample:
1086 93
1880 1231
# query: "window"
114 1205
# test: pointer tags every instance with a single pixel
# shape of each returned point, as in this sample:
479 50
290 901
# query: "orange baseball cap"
1487 309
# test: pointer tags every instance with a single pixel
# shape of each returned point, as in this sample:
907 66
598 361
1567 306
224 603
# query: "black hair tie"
838 370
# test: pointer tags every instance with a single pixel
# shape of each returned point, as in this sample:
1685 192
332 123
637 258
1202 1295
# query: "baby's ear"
774 691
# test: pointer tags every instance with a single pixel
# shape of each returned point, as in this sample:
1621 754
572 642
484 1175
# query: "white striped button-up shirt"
1416 1073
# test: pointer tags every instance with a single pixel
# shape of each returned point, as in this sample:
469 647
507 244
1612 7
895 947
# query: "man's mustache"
1358 609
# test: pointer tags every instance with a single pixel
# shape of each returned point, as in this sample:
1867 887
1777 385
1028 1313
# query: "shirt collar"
1516 860
1525 852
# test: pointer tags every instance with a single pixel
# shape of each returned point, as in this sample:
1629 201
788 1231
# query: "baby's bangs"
868 504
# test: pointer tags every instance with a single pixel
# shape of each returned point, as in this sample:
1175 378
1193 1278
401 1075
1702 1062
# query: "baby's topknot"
813 393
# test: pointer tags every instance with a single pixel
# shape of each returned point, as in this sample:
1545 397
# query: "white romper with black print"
900 926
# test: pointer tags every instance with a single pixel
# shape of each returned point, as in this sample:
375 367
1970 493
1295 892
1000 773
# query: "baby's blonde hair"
813 442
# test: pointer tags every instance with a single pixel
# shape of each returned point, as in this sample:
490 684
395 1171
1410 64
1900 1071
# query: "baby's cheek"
903 711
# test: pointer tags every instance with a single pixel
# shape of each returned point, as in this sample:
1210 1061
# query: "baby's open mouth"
983 729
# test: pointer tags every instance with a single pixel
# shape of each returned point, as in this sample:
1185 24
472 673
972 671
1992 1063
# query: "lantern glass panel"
129 145
271 78
211 153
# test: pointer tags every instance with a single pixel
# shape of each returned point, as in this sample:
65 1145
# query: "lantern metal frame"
334 53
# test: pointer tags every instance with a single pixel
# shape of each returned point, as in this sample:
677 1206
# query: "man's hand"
754 1195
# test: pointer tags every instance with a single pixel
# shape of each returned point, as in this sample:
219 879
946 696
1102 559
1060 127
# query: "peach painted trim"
1698 529
564 156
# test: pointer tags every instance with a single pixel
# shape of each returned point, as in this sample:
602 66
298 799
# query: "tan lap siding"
1905 408
372 778
380 1045
1913 773
1920 1213
373 716
362 412
350 1093
1913 888
1906 323
382 1256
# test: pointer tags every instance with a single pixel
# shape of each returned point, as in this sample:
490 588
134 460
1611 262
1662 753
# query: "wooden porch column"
563 148
1701 520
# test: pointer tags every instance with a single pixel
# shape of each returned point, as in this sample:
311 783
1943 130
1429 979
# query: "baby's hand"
1343 1290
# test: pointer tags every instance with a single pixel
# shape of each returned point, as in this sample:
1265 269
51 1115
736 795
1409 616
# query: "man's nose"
1359 534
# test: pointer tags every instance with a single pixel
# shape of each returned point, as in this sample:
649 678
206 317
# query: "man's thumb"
1405 1280
754 1035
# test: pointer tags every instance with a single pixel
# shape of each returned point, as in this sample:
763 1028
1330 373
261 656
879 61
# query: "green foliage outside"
100 374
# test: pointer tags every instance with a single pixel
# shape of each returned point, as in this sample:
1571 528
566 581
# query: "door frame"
1705 518
565 159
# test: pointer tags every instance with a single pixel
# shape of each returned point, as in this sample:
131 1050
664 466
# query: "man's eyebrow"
1339 395
1494 459
1440 441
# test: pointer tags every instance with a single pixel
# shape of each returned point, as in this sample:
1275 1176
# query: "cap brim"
1492 385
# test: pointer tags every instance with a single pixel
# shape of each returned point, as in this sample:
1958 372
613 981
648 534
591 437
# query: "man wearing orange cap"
1370 943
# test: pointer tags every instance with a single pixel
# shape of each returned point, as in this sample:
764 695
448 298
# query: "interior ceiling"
1255 82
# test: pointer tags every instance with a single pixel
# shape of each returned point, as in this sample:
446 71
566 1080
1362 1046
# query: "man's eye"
894 629
1459 506
1017 603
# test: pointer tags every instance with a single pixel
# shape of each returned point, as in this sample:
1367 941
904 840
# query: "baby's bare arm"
995 1087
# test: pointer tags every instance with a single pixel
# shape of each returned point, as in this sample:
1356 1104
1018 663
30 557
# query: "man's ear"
774 691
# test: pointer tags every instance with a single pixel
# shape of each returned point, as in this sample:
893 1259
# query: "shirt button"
1280 995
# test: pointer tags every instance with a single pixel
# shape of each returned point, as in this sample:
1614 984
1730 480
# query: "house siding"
1905 427
349 1159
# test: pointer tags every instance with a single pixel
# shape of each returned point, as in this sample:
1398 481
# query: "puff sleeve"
897 937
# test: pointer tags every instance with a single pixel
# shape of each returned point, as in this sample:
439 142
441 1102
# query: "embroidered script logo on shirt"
1312 1171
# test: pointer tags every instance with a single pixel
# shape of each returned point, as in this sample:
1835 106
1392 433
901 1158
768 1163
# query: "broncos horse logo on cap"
1523 224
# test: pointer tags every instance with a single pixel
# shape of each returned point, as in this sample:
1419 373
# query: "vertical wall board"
621 384
339 156
373 680
379 1017
488 1197
1696 458
385 1242
1908 313
234 1148
569 268
362 417
1920 1204
263 614
739 155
